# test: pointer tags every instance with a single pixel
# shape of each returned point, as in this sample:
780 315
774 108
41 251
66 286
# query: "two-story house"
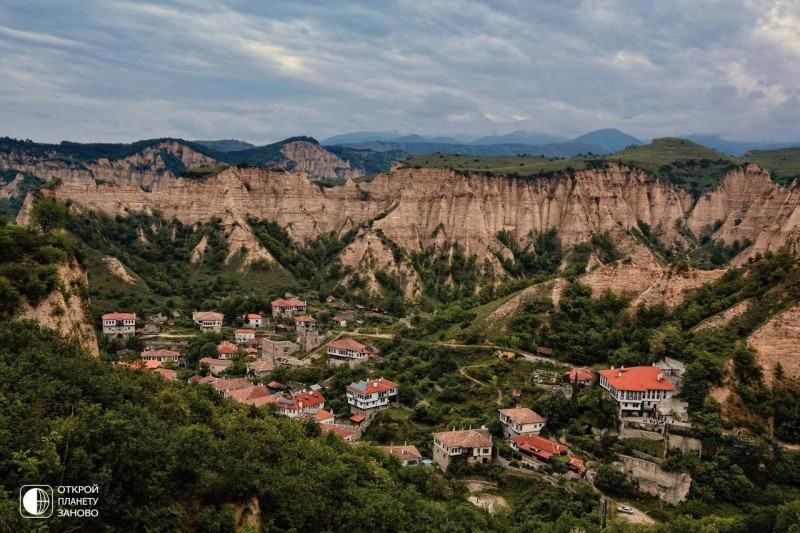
366 397
348 349
521 421
475 445
638 389
580 376
227 350
304 323
160 355
252 320
287 308
119 325
408 455
208 320
301 403
242 336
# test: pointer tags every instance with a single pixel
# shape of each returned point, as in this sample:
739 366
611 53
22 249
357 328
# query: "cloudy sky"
107 70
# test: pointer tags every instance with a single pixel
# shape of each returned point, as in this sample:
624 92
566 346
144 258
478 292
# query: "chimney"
660 377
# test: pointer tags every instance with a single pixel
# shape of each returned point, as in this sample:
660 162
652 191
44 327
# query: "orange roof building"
227 350
160 355
521 421
537 447
581 376
638 389
349 349
473 444
287 308
301 403
371 395
408 455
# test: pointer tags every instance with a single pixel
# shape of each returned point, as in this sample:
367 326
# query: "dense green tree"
48 213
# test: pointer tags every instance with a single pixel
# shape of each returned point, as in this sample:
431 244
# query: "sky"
119 71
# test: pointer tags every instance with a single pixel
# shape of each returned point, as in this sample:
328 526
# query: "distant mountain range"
600 142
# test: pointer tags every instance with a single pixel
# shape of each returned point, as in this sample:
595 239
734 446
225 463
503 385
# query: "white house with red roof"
160 355
339 321
119 325
287 308
300 403
208 320
348 435
243 336
348 348
252 320
637 389
366 397
227 350
408 455
581 376
521 421
475 445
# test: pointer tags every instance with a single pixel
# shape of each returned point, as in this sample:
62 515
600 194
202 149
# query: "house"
275 386
366 397
348 435
408 455
505 354
243 336
255 343
272 349
287 308
300 403
320 416
248 393
637 389
119 325
252 320
208 320
227 350
541 351
475 445
170 375
357 420
580 376
260 369
339 321
348 349
227 386
537 447
304 323
160 355
521 421
216 366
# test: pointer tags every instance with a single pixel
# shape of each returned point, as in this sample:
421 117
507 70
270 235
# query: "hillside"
612 139
783 164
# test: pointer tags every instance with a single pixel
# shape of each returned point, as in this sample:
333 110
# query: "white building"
252 320
160 355
638 389
348 349
287 308
475 445
241 336
521 421
208 320
368 396
119 325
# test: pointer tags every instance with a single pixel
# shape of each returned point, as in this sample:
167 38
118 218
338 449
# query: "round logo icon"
36 501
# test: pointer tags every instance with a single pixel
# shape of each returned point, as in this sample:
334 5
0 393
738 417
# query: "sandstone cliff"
316 162
65 310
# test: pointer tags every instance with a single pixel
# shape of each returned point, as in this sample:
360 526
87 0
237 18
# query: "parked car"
624 509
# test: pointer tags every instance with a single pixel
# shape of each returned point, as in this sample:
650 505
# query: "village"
264 361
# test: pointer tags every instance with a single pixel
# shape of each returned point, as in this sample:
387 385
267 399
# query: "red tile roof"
308 319
227 348
291 302
535 443
169 374
403 452
348 344
373 385
523 415
261 366
303 400
317 415
160 353
638 378
466 438
120 316
245 331
275 385
357 419
346 434
249 393
248 316
202 316
195 379
230 384
262 400
216 362
580 374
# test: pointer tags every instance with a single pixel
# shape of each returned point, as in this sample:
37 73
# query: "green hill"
783 164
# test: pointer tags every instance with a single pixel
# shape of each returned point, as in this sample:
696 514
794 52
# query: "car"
624 509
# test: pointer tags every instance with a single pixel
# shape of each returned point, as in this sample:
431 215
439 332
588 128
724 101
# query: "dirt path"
499 390
638 516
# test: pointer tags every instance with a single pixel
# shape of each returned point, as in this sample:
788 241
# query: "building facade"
637 390
348 349
208 320
252 320
287 308
366 397
119 325
521 421
474 445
